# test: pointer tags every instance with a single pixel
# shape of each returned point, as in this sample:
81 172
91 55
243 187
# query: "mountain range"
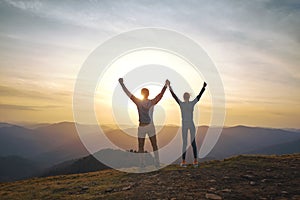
57 149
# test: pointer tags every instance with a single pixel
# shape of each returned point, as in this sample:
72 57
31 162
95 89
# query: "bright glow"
170 109
158 114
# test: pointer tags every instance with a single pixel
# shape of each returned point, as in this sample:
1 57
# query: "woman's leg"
184 139
193 140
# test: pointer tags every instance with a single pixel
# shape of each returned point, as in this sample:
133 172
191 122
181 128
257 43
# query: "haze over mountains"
42 147
48 144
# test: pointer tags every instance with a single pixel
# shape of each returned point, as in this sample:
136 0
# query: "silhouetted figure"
187 108
146 126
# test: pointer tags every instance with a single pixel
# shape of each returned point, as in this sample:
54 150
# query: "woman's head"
186 96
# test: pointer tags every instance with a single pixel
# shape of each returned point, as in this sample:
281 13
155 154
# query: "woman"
187 108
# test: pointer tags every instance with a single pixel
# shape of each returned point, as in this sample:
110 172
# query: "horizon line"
28 124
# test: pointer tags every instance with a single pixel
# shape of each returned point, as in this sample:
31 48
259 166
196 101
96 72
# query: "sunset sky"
255 46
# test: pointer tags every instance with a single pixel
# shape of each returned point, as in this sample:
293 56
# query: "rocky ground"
242 177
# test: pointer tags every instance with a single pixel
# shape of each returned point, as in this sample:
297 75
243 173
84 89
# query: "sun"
112 105
154 90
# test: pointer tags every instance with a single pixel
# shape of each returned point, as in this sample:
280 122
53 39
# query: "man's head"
186 96
145 93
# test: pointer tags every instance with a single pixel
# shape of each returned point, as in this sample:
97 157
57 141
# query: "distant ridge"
279 149
53 144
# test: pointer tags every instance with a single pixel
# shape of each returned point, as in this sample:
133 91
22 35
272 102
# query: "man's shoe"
142 166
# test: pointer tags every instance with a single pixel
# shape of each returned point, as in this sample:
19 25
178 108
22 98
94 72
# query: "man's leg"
155 149
141 142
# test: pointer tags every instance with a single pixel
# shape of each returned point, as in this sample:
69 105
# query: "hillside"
242 140
285 148
91 163
241 177
16 168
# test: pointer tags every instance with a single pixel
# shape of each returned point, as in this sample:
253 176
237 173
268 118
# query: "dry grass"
272 177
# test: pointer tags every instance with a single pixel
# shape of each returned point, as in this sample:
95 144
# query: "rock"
247 176
226 177
296 197
109 190
158 194
173 198
212 181
147 182
85 188
264 180
155 175
226 190
268 170
252 183
284 192
126 188
212 189
212 196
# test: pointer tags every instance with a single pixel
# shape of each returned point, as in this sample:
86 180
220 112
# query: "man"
187 108
145 111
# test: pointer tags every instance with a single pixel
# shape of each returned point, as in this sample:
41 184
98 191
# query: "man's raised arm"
161 94
128 93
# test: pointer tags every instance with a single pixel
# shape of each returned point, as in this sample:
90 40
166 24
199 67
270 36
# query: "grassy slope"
271 177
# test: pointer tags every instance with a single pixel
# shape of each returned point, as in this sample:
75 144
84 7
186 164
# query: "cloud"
14 92
255 44
28 108
84 13
7 91
270 27
25 5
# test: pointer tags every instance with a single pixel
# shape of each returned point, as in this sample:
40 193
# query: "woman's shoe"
183 164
